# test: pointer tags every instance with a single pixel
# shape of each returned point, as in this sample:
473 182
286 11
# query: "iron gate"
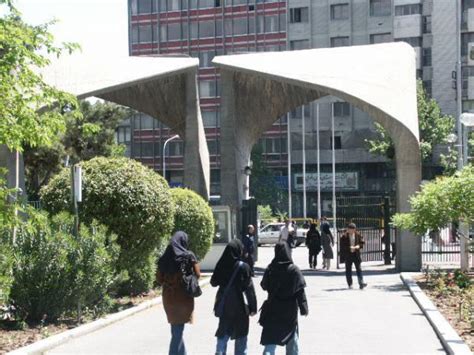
371 214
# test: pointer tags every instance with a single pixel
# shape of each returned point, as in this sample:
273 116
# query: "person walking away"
285 285
351 245
313 243
233 277
248 240
178 305
327 241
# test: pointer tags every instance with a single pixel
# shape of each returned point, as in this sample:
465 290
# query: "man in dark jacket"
248 240
351 244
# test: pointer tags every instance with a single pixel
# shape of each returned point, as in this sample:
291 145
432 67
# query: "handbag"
219 309
190 280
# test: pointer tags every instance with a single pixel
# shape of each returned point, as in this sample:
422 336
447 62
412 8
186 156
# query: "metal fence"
443 246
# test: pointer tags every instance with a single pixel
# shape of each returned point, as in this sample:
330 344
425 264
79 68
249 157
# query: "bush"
55 271
194 216
6 263
131 200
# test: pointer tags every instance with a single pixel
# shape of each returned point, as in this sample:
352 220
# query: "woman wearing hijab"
234 317
313 242
285 285
178 305
327 241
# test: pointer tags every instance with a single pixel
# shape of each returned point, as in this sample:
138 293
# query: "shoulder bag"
190 280
219 310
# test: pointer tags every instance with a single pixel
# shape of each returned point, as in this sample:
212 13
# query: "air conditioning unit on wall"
470 53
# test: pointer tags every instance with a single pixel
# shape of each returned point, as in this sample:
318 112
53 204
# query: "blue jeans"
291 347
240 345
177 343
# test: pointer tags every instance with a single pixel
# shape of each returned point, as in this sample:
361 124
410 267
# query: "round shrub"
194 216
130 199
54 271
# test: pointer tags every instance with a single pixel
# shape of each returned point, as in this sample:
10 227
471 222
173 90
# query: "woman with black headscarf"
178 305
234 279
285 285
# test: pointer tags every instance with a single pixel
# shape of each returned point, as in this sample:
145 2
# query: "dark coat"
346 246
313 241
235 321
327 241
285 285
249 245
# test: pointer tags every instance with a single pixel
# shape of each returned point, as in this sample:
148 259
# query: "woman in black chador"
233 312
313 242
285 285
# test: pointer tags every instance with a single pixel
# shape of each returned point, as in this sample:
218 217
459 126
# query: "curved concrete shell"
162 87
378 79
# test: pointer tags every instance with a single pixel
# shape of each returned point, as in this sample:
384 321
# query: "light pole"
288 143
164 153
318 162
303 142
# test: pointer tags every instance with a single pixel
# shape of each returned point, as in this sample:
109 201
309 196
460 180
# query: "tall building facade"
206 28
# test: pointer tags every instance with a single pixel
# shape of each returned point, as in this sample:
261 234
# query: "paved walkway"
382 319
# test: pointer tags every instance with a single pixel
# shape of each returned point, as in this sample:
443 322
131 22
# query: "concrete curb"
452 342
56 340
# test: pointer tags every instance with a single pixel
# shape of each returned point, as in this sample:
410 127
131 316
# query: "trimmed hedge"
194 216
131 200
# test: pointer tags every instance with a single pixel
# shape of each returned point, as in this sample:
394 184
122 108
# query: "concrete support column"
196 154
408 164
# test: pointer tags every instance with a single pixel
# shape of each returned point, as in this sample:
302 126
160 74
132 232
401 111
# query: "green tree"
434 129
87 136
265 212
446 199
263 185
26 101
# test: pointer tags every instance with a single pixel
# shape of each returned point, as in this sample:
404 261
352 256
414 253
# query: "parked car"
270 234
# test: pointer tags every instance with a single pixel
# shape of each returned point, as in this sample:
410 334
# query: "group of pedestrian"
316 241
235 299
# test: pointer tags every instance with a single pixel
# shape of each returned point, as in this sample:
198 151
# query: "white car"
270 234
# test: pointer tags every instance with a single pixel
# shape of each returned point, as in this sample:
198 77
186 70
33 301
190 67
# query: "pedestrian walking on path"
285 285
327 241
352 243
248 240
313 243
234 280
178 305
288 234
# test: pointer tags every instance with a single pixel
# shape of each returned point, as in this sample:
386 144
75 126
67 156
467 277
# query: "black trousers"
352 259
312 257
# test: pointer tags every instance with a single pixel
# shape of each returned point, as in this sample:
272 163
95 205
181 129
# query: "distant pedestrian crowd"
236 300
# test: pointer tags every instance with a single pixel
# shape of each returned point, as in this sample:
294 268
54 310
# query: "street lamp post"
164 153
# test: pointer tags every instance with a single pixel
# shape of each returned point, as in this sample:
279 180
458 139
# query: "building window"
468 106
341 109
145 6
299 15
297 113
213 146
466 38
339 41
380 38
340 12
123 135
426 57
380 7
147 149
410 9
145 34
205 59
337 142
426 24
412 41
207 88
176 149
134 35
271 23
174 32
206 29
209 119
299 44
428 87
240 26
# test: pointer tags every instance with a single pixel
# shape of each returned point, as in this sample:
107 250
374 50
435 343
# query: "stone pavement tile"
382 319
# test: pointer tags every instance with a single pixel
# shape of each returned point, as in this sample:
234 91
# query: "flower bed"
453 294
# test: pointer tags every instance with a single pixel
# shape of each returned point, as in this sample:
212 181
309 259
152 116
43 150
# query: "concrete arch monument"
380 79
162 87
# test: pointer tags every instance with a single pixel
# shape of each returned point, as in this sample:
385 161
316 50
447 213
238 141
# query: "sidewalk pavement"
382 319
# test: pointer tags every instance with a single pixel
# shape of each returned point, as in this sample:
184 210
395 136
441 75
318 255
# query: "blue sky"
99 26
